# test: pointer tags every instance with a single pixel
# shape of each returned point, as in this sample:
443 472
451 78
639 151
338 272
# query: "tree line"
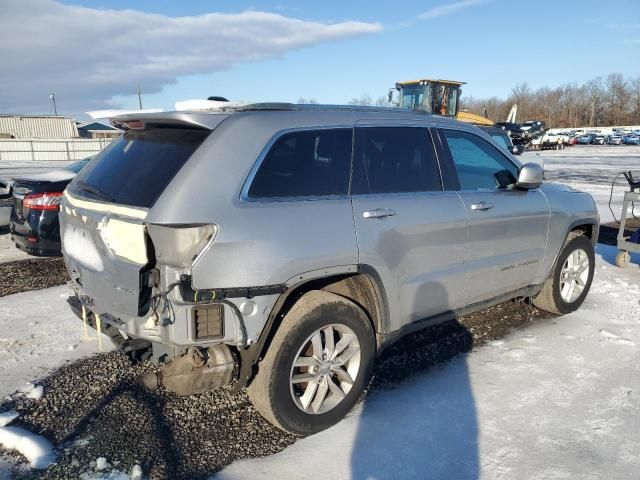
613 100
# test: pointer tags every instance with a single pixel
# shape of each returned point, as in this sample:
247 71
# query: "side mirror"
530 176
394 97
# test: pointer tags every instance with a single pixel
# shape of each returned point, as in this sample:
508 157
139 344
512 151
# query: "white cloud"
88 56
448 9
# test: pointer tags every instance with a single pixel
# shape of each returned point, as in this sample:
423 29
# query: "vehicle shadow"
428 427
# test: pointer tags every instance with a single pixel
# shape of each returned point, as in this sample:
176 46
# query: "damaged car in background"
283 247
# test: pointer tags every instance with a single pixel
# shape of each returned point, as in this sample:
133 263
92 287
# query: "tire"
552 297
272 391
623 259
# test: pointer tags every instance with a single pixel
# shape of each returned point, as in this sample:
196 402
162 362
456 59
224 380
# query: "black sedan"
36 201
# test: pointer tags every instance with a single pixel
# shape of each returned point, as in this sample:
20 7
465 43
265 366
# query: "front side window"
478 163
394 160
305 163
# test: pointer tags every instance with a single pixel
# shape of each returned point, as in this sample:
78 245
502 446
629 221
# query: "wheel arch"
363 287
586 226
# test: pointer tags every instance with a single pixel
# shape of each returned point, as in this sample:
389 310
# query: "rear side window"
136 168
305 163
479 164
395 160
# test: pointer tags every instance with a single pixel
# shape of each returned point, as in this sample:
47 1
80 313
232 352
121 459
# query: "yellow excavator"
440 97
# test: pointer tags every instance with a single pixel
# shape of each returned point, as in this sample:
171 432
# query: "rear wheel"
570 281
317 366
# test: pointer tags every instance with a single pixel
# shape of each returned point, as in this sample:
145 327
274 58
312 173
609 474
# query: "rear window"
305 163
135 169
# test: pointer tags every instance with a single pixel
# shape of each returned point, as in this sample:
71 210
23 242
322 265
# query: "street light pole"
52 96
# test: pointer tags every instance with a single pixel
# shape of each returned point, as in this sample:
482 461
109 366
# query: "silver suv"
283 247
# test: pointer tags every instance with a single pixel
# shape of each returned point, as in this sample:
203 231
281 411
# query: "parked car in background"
614 139
283 247
6 201
503 139
584 140
553 140
598 140
631 140
34 223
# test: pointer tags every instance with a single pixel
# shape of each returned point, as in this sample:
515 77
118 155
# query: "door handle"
482 206
379 213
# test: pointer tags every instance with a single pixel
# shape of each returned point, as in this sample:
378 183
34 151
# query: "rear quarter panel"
258 242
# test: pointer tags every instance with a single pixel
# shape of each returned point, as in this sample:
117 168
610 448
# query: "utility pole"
139 98
52 96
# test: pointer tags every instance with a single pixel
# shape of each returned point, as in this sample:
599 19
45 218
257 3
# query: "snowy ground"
38 332
560 399
8 251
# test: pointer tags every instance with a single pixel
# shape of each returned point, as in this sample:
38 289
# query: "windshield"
437 98
135 169
75 167
415 97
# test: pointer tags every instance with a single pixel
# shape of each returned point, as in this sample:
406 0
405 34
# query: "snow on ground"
8 251
35 448
560 399
38 332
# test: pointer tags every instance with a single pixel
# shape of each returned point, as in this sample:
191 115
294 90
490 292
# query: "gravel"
32 274
93 408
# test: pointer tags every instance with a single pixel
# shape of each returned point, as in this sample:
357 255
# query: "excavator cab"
440 97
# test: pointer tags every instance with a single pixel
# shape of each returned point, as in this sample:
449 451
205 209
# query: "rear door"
507 226
409 229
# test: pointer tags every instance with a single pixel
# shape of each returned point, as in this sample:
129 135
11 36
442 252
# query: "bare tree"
363 100
383 101
596 96
634 93
618 96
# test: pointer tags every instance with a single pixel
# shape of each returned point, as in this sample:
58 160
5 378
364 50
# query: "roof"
209 119
424 80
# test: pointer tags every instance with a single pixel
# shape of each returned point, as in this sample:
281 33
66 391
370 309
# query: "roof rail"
318 106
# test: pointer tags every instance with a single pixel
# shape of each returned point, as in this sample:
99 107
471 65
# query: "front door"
507 226
409 230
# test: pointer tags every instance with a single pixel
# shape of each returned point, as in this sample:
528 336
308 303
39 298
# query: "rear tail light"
178 246
42 201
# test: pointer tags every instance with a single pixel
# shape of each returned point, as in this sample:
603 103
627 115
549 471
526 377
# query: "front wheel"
569 282
317 366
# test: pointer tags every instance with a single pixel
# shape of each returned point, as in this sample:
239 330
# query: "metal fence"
56 150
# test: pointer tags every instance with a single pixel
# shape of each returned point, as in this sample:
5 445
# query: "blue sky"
491 45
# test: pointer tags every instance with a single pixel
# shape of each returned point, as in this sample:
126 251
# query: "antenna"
139 98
